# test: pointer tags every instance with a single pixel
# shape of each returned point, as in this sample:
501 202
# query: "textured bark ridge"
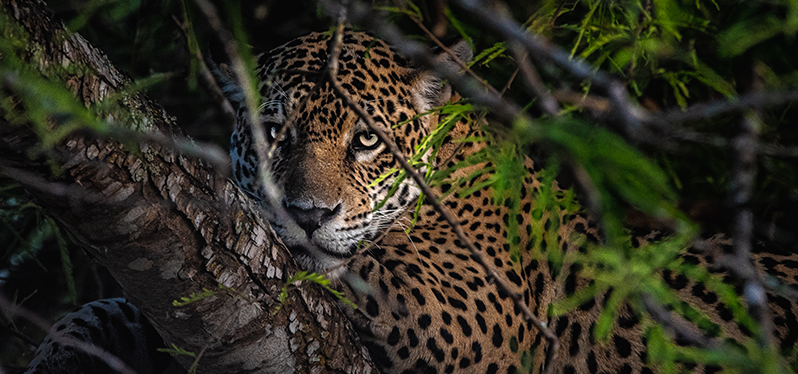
167 226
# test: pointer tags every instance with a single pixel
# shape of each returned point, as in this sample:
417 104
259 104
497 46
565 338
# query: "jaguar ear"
429 88
227 81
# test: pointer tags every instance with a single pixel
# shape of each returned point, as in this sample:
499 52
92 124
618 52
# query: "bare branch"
546 102
742 186
724 106
680 328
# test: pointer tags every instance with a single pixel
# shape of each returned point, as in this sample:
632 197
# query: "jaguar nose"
311 219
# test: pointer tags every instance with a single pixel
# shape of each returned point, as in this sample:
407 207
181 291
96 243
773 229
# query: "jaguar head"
328 168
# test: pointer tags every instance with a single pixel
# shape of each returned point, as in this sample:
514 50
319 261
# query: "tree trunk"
164 225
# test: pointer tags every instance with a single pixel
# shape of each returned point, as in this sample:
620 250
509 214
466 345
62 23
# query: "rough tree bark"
165 225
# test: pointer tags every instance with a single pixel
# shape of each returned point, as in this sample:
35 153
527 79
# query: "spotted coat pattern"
424 304
113 328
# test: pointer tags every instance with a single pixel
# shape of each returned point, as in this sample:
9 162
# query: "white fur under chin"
332 240
332 268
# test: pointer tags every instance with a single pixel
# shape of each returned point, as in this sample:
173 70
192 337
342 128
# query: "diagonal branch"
739 261
264 150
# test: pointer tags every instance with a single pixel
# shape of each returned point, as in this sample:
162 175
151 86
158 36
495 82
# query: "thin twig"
553 22
546 102
430 196
724 106
205 72
680 328
742 185
272 192
509 81
13 330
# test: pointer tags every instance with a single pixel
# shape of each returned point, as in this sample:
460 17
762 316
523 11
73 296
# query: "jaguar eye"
366 140
273 129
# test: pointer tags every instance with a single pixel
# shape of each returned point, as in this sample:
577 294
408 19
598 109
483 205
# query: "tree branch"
739 263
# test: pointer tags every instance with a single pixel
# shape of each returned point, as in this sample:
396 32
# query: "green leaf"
177 351
746 34
488 55
66 261
194 297
460 28
312 277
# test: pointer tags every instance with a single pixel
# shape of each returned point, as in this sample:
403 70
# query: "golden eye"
367 140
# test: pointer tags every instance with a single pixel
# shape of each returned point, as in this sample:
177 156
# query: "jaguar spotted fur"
428 306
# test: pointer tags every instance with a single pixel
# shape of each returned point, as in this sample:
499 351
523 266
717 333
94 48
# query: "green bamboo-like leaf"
488 55
459 27
311 277
66 260
177 351
194 297
745 34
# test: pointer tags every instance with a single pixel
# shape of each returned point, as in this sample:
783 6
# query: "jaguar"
425 304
